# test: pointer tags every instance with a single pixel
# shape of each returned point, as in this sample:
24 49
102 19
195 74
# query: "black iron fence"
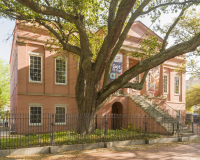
193 124
25 130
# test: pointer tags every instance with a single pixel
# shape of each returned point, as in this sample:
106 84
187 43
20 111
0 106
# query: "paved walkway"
165 151
4 133
182 152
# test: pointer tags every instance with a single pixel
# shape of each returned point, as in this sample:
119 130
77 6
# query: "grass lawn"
71 137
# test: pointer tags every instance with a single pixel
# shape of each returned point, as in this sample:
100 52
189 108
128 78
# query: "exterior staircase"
168 122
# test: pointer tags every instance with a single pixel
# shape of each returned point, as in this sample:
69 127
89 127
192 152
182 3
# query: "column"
143 91
161 83
125 67
171 85
182 89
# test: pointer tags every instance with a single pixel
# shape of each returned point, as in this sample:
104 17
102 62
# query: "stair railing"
171 111
164 117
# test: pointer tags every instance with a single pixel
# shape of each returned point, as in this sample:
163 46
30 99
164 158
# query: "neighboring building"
192 81
41 83
196 109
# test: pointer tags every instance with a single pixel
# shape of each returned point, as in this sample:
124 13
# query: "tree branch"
119 44
166 4
147 64
137 86
47 2
70 48
172 27
63 40
47 10
110 40
111 16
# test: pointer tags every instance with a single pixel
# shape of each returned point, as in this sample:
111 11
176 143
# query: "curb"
56 149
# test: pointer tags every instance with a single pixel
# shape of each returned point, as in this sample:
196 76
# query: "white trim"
166 74
135 77
36 55
63 106
65 72
175 102
178 110
36 124
36 104
179 85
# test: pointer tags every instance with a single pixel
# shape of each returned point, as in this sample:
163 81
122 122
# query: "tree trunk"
86 123
87 108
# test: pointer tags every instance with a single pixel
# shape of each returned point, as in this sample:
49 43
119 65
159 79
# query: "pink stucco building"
41 83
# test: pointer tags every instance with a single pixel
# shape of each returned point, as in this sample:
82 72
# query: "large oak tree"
74 24
4 84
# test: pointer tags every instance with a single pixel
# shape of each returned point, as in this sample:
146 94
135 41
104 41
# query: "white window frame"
35 105
165 74
36 55
135 77
179 111
63 106
133 82
65 72
175 86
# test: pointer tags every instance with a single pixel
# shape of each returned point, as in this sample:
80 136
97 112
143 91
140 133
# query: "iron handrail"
151 106
169 107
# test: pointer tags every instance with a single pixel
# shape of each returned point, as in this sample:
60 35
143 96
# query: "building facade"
42 83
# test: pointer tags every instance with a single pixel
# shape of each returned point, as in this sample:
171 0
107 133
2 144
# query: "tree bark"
86 99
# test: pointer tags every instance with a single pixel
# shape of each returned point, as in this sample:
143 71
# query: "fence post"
106 123
146 128
178 129
192 127
173 128
53 142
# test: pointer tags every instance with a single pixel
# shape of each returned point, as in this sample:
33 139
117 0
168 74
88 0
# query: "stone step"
160 116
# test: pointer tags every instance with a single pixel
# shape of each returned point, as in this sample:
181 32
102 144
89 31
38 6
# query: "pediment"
139 30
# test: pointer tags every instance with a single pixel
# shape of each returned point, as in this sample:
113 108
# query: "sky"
6 29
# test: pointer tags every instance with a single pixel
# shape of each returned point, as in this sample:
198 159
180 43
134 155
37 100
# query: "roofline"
13 41
149 29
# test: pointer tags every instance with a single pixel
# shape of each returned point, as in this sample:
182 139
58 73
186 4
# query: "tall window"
60 71
177 85
136 79
165 81
149 81
60 115
35 69
35 117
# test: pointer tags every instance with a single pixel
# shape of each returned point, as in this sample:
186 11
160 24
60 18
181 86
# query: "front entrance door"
117 110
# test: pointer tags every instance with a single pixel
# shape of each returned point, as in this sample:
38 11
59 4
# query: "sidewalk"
163 151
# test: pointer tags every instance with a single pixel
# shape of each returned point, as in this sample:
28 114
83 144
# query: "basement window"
35 115
60 115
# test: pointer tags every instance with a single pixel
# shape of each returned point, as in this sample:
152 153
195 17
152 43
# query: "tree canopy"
192 96
4 84
187 27
73 25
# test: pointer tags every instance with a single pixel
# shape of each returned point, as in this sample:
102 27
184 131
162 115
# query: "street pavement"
165 151
181 152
